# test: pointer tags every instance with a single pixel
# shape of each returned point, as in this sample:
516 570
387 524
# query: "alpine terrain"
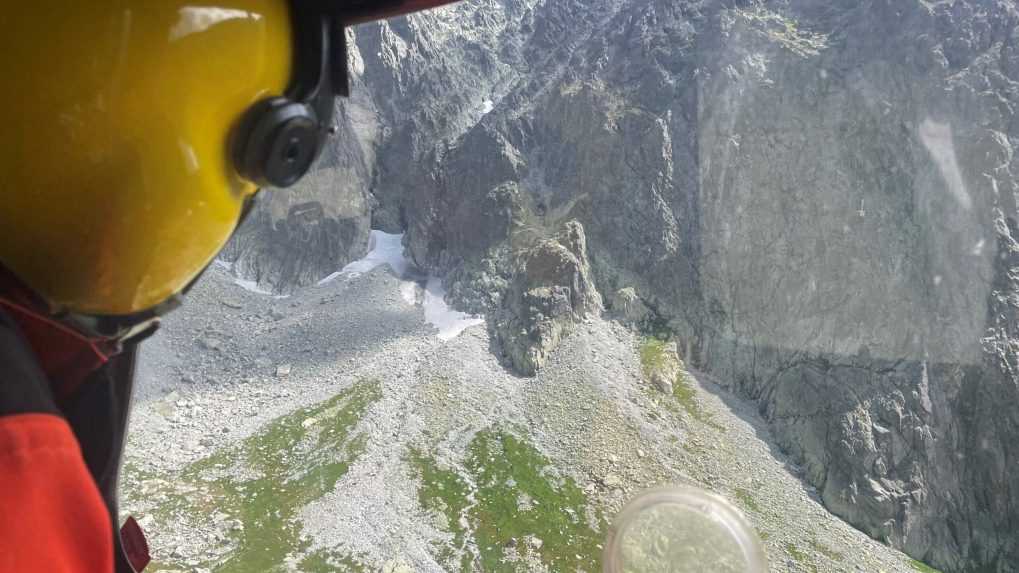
561 251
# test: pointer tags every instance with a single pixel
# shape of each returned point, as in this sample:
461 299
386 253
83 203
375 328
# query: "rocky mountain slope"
818 198
339 430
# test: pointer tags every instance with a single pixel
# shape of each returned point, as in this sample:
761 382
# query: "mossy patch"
326 561
922 567
516 508
293 461
655 357
504 467
784 30
800 557
652 354
683 392
746 499
444 492
825 550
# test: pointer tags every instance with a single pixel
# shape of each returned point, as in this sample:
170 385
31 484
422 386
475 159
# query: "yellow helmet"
134 133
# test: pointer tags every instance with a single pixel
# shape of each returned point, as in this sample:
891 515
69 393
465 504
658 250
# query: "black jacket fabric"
97 411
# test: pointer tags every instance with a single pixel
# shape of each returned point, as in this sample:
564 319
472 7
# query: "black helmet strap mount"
278 138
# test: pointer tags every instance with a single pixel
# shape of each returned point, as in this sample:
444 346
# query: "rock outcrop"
627 307
550 291
296 236
661 364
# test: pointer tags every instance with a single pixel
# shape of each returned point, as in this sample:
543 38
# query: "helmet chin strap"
68 347
120 329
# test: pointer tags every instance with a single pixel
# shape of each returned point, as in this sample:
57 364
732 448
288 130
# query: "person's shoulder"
23 385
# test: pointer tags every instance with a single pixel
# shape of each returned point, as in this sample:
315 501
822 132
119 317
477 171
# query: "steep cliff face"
856 186
819 197
432 77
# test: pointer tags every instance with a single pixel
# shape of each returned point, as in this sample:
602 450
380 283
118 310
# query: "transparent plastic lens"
679 529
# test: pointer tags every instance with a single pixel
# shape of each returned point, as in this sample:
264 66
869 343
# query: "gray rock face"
819 196
432 77
296 236
550 290
854 225
628 308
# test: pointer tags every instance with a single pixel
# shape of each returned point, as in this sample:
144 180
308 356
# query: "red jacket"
64 402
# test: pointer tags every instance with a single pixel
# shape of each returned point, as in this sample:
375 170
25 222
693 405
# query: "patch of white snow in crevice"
383 249
408 290
249 285
246 284
487 106
387 249
437 313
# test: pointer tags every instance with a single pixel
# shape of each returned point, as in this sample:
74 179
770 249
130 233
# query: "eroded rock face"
433 77
855 226
820 198
628 308
296 236
550 291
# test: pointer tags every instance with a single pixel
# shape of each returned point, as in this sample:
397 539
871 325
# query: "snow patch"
486 106
387 249
252 286
383 249
408 290
437 313
248 285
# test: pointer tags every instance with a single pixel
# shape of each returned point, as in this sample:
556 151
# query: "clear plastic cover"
682 528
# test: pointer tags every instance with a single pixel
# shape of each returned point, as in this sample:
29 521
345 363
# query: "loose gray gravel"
232 360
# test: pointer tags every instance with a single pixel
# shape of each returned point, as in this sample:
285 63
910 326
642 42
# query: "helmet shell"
116 184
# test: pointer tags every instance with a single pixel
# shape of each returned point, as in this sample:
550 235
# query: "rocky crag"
818 198
551 291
